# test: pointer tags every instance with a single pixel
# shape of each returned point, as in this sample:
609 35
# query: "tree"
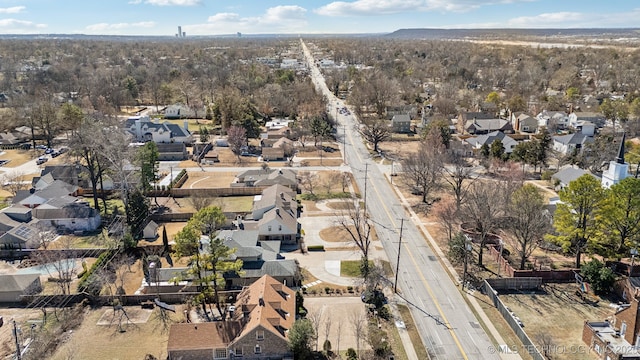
204 134
527 221
484 208
356 223
600 277
85 144
301 336
218 262
375 131
359 327
575 216
447 215
137 209
459 177
423 170
188 244
320 129
208 219
443 127
71 116
497 149
457 248
237 138
148 162
485 150
620 218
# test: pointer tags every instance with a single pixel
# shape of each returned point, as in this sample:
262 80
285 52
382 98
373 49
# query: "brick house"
257 327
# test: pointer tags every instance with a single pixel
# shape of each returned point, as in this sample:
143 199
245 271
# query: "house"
68 217
266 178
172 151
567 174
568 144
553 119
596 118
524 123
272 154
22 236
13 286
467 116
257 327
57 189
274 196
401 123
585 127
485 126
77 175
477 142
608 343
180 111
143 130
277 124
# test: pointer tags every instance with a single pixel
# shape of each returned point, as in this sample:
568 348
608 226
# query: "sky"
219 17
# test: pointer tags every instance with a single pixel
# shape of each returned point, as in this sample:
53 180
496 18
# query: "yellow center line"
424 280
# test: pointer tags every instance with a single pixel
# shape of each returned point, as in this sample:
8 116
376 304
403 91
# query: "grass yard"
192 124
557 313
351 268
340 205
340 234
17 157
319 162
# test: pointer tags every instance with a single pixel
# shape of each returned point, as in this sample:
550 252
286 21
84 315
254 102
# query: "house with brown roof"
257 328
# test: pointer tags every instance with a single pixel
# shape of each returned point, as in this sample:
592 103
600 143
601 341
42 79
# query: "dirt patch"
135 315
340 205
92 341
320 162
556 312
399 149
24 318
340 310
335 234
17 157
331 182
310 206
208 180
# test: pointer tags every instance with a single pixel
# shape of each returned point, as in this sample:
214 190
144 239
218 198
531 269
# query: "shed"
150 232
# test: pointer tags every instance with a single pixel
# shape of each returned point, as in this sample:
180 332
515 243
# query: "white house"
558 119
143 130
567 144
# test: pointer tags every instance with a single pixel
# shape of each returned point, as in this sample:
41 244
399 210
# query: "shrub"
350 289
351 354
315 248
598 275
327 290
546 175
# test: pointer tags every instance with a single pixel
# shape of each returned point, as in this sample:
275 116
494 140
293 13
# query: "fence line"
509 317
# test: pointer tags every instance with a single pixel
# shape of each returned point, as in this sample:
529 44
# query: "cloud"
378 7
283 18
14 26
561 20
106 28
167 2
12 10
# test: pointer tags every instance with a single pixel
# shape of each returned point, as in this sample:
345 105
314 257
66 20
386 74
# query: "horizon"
311 17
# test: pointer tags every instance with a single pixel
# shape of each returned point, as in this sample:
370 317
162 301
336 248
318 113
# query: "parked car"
48 151
41 147
55 154
63 150
41 160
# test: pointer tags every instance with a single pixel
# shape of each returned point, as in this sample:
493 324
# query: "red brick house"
257 329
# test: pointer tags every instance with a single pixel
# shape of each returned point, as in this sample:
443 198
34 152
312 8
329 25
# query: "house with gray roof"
523 122
477 142
266 178
401 123
143 129
567 144
567 174
13 286
485 126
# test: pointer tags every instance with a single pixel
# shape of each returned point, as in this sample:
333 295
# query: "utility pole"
15 336
395 283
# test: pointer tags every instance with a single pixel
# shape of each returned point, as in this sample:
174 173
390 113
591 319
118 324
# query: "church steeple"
620 158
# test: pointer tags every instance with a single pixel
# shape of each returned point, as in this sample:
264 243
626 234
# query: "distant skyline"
215 17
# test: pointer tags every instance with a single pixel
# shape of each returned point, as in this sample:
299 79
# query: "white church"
618 168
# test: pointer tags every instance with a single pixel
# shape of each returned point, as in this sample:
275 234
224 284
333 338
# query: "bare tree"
13 182
338 334
201 202
359 327
308 180
484 208
459 177
237 138
316 317
60 265
345 181
356 223
327 329
423 170
45 238
527 220
375 131
447 215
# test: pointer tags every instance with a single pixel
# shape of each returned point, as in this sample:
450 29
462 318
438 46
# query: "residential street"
447 326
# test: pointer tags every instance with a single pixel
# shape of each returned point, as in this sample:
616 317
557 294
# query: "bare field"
208 180
17 157
558 313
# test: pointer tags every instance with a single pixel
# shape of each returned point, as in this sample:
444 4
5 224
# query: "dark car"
48 151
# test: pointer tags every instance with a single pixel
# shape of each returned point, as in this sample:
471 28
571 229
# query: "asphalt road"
446 324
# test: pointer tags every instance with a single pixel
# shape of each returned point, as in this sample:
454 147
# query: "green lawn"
112 204
351 268
192 124
235 203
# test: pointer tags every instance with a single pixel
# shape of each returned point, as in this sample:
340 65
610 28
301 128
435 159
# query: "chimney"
282 195
261 301
278 211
